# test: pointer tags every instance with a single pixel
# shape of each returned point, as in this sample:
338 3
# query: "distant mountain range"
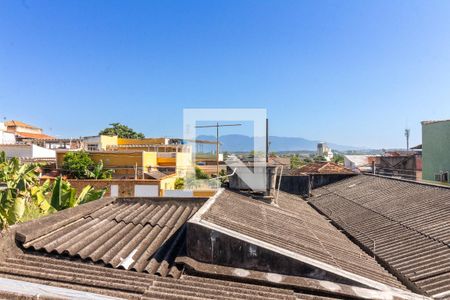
243 143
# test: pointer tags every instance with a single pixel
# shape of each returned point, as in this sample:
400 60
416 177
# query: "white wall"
7 137
17 150
27 151
178 193
146 190
40 152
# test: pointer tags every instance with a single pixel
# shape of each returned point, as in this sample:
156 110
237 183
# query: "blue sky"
348 72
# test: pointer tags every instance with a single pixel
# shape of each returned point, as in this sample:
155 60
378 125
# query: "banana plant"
18 176
24 198
64 196
98 172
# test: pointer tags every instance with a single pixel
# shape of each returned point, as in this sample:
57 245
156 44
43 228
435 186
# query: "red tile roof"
36 136
321 168
14 123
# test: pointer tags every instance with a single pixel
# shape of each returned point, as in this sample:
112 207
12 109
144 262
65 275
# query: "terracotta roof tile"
15 123
35 136
320 168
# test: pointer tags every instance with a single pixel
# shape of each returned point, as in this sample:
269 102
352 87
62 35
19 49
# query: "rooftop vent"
267 193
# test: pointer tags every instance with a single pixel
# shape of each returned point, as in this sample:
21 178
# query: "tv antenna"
217 126
407 132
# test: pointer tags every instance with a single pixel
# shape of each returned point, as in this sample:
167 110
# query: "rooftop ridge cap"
197 217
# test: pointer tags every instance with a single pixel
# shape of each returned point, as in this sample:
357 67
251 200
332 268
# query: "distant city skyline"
352 73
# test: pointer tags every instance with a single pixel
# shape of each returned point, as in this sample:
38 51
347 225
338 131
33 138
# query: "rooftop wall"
28 151
146 141
435 149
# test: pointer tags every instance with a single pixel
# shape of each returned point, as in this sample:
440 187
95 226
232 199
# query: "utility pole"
407 131
217 126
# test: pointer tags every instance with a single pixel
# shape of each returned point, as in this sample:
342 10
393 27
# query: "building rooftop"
186 248
298 230
15 123
133 234
283 161
34 136
403 223
320 168
434 121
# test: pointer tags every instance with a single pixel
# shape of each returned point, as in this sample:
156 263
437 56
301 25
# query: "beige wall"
168 183
106 141
146 141
184 161
149 159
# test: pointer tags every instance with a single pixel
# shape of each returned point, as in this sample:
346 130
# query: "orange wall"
146 141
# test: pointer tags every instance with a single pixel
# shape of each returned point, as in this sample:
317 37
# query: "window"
443 177
92 147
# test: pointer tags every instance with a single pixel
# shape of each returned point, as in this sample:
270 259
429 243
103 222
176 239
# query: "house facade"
436 150
25 132
5 136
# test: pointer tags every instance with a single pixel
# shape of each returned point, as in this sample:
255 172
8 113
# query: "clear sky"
348 72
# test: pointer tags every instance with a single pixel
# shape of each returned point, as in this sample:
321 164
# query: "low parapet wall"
121 187
303 184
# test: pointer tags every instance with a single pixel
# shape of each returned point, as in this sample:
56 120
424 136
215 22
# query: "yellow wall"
112 159
149 159
106 141
168 183
60 158
204 193
167 161
118 159
183 162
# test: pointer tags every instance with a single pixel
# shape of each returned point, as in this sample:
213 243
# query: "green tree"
338 158
223 176
122 131
319 158
295 161
179 183
307 160
200 174
77 163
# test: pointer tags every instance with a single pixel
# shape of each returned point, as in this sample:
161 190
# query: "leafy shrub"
179 183
77 163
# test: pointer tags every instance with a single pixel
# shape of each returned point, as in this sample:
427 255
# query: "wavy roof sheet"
137 234
296 227
405 224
